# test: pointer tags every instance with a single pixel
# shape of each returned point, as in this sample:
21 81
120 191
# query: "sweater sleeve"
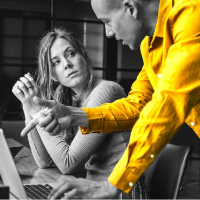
40 154
68 158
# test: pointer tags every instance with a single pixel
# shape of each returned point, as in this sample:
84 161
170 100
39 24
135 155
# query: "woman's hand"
25 89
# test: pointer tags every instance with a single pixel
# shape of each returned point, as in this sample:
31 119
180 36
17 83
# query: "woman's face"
68 66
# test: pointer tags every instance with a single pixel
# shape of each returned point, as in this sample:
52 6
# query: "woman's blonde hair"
49 88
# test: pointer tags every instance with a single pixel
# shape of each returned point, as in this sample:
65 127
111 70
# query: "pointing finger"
29 126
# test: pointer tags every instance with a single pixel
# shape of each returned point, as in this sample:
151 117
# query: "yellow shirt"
165 94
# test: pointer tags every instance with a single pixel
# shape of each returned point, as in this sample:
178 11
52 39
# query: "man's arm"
122 114
177 93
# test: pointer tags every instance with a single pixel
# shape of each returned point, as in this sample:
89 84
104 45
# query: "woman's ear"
132 6
54 79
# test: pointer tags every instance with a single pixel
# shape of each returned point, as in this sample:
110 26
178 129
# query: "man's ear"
132 6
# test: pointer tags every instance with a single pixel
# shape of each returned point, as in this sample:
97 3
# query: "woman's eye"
71 53
55 62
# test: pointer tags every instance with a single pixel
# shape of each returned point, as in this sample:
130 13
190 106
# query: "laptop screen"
8 170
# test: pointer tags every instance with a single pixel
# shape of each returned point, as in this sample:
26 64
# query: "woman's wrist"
31 111
27 115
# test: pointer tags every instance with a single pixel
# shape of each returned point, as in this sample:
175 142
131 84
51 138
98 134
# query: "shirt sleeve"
69 158
122 114
176 94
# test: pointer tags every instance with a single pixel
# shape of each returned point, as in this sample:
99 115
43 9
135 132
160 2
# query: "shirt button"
192 123
151 156
159 75
130 184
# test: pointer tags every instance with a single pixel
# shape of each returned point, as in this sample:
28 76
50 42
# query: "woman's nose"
67 63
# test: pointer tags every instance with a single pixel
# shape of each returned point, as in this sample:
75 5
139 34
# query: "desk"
29 171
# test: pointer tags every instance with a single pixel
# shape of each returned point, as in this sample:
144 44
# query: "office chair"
164 176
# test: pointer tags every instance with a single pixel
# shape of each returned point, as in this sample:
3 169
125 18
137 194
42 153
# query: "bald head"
110 4
113 4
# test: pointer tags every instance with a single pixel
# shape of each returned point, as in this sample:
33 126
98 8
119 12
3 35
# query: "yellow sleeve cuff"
124 178
95 120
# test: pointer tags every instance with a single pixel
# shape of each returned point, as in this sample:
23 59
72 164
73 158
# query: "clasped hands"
54 117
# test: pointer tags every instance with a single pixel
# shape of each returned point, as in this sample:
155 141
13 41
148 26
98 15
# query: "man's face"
119 24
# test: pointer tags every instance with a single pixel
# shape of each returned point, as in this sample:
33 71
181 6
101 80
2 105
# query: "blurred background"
23 23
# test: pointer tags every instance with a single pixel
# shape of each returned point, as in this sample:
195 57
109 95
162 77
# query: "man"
164 96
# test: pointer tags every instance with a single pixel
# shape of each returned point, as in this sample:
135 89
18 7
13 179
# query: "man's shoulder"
177 3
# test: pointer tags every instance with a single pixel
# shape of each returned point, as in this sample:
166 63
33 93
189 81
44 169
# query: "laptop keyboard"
38 191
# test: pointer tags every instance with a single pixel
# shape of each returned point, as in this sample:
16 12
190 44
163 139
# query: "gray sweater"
99 152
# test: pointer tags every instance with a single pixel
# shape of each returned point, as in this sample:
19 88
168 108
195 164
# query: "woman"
65 75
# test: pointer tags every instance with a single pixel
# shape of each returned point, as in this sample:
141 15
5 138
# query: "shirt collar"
165 7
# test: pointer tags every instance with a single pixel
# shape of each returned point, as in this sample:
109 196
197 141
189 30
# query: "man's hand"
56 117
85 189
49 117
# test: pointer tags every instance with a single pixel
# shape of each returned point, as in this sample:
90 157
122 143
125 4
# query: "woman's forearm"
27 115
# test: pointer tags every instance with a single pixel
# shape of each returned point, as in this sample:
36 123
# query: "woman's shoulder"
109 87
102 83
104 92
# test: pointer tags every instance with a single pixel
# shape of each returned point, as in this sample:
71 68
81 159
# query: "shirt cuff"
124 178
95 120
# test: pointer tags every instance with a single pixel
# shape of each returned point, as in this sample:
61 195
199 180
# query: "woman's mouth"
72 74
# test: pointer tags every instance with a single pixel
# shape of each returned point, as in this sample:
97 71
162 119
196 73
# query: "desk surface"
29 171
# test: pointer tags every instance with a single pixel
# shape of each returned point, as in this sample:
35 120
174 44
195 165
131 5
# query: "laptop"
11 177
